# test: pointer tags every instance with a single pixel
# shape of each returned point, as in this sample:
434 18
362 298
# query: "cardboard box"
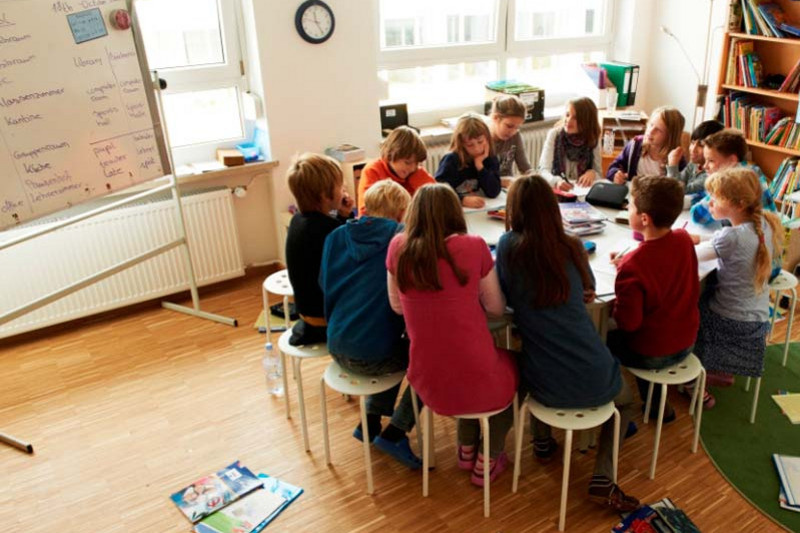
532 97
230 157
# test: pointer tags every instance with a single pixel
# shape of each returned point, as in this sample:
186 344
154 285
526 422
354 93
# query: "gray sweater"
510 152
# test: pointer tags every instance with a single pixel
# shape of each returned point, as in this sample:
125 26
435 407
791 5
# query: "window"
446 50
199 57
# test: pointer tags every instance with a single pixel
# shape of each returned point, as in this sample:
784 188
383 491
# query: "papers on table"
491 203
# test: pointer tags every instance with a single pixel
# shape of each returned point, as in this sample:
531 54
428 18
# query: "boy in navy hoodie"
364 335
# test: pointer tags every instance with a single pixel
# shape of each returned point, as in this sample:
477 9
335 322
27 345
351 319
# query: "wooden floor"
123 410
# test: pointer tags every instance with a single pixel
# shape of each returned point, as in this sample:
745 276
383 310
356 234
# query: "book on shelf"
773 16
213 492
791 28
792 82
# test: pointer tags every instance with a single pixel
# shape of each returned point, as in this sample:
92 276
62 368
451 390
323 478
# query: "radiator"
532 139
45 264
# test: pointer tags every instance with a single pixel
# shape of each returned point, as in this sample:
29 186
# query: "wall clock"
314 21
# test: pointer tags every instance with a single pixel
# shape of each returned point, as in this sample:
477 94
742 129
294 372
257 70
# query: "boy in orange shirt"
401 154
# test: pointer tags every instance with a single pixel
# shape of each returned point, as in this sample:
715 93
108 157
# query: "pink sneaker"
719 379
466 459
497 467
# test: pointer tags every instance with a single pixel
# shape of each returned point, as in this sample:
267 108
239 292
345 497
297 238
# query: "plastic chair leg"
698 417
697 393
661 407
755 401
747 384
647 403
615 451
285 383
519 430
265 298
324 410
287 318
562 513
486 462
426 445
365 428
301 402
415 407
789 327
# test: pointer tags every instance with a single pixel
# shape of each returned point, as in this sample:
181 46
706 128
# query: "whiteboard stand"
187 257
16 443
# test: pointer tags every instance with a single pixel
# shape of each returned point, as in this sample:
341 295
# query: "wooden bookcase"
778 56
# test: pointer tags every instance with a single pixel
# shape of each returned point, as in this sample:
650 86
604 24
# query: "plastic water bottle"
272 371
608 142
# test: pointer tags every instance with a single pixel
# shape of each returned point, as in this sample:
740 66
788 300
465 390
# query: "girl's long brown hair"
469 126
674 122
586 117
543 249
741 187
434 214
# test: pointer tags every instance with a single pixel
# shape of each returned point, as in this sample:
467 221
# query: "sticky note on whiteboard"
87 25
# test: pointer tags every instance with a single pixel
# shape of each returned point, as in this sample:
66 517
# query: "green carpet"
741 451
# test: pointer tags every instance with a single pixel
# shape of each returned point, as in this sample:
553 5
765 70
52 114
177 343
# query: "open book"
215 491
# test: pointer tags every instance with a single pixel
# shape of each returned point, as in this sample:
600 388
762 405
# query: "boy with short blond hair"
657 287
401 155
364 335
316 183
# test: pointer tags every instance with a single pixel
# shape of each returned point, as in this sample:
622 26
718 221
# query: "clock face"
314 21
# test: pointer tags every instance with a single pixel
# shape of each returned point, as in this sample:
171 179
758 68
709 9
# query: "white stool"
298 353
755 397
352 384
427 431
687 370
277 283
784 281
569 420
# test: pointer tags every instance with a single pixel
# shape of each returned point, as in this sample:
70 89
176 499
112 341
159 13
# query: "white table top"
615 238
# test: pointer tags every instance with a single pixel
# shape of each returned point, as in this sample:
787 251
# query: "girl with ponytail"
734 313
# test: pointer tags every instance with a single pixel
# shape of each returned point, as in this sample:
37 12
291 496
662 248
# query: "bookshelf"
778 56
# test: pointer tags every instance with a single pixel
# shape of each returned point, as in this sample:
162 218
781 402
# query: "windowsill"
440 133
187 174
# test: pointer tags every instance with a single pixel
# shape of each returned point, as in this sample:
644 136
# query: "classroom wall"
669 77
315 95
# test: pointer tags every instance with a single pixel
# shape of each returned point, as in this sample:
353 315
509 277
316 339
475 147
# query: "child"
650 154
507 115
364 335
470 166
443 282
317 184
734 315
657 285
723 150
401 154
694 175
571 153
564 364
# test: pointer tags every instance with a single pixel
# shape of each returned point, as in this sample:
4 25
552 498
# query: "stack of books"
758 122
659 517
767 19
234 500
788 468
792 82
581 218
785 133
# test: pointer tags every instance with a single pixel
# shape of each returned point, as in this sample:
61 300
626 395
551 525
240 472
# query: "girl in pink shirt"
443 282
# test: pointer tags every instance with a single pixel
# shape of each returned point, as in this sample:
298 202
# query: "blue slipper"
358 434
632 430
400 450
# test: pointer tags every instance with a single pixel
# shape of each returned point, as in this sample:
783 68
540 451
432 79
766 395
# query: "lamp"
702 84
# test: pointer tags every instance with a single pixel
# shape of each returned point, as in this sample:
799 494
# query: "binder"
621 75
634 84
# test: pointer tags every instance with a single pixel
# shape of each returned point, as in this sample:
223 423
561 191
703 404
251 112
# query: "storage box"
249 151
345 153
230 157
532 97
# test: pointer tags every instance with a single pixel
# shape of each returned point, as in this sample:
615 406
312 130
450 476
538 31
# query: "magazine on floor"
215 491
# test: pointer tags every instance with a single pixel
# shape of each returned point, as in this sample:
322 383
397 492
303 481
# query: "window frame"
197 78
505 48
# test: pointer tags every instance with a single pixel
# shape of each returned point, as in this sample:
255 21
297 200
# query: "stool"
784 281
298 353
687 370
755 396
277 283
352 384
427 431
569 420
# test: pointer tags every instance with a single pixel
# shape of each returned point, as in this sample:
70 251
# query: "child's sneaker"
466 457
544 449
400 450
496 467
708 399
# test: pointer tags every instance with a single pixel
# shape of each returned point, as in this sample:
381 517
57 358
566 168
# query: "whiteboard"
77 115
